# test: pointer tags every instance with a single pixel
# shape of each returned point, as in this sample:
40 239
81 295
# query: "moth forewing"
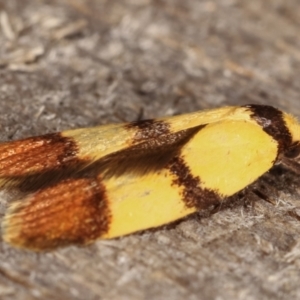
112 180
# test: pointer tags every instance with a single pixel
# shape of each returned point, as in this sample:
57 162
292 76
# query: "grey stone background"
76 63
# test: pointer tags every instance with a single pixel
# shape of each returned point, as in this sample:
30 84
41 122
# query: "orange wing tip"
11 228
12 225
17 232
37 154
74 211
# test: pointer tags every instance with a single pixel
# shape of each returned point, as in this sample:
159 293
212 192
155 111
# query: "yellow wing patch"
113 180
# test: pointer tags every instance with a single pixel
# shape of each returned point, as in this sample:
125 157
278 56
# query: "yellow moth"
107 181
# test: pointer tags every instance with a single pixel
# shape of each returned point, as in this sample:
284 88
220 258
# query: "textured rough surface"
75 63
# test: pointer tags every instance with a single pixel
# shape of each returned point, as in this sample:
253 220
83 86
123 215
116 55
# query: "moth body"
113 180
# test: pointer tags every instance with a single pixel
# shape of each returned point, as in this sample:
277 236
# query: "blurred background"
77 63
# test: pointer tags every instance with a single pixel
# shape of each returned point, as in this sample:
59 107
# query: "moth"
81 185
